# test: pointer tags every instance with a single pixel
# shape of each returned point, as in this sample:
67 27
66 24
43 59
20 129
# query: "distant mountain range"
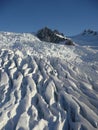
87 37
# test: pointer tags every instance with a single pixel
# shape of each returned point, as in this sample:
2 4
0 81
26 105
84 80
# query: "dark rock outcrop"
89 32
69 42
54 36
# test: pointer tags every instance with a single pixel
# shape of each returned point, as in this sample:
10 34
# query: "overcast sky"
68 16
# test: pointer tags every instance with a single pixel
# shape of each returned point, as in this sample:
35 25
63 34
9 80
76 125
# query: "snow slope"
45 86
87 39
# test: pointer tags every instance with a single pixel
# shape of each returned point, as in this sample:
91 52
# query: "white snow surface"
46 86
61 36
87 39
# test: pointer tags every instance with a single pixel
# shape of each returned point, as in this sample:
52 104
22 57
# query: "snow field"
47 87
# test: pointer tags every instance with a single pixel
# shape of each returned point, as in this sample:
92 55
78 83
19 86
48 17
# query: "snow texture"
45 86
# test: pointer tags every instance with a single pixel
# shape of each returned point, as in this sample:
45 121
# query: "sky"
68 16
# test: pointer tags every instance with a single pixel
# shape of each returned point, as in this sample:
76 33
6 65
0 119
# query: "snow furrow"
47 92
55 95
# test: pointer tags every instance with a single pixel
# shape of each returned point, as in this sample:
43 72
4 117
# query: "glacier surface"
46 86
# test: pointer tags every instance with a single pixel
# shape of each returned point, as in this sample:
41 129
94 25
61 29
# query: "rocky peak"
89 31
54 36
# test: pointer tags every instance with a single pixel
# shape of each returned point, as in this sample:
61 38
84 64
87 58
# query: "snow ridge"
47 87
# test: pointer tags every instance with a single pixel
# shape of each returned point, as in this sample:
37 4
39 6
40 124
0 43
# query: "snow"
47 86
60 36
89 40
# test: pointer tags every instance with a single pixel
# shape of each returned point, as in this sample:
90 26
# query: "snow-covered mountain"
87 38
46 86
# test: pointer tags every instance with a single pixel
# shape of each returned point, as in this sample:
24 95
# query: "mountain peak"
54 36
89 31
47 29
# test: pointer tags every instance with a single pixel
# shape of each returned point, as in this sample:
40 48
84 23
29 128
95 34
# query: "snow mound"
44 86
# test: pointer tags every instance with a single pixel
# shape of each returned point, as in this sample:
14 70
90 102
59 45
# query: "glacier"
47 86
